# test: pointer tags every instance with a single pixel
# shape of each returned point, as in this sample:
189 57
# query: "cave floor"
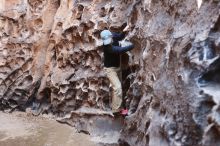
22 129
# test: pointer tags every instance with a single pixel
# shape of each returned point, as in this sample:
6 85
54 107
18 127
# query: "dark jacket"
112 52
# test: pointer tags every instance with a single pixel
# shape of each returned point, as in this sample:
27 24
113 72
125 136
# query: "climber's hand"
127 29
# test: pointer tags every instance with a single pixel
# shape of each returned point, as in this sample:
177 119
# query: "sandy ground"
21 129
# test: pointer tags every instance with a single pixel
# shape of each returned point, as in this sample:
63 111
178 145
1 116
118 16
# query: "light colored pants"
113 74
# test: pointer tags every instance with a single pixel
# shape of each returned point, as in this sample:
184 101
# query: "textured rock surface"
50 50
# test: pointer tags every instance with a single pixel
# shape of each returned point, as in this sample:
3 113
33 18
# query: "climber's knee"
118 90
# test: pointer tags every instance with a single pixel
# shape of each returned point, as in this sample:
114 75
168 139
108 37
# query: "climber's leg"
113 77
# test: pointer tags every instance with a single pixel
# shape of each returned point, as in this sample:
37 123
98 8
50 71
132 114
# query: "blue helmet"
106 36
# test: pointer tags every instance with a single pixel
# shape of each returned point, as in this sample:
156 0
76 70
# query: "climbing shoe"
124 112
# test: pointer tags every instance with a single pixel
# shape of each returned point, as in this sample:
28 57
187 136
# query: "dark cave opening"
128 72
46 93
208 53
211 74
118 29
217 25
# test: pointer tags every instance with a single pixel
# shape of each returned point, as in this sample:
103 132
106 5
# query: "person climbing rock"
112 52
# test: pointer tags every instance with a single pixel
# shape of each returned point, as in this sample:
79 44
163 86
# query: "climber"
112 52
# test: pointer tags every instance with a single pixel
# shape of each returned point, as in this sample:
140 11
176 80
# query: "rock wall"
51 52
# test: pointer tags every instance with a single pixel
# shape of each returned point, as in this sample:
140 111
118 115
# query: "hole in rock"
12 102
111 9
212 137
59 2
211 74
204 108
123 143
208 50
80 7
90 24
127 77
118 28
126 80
102 12
217 25
46 93
38 23
134 16
80 11
203 51
35 3
44 97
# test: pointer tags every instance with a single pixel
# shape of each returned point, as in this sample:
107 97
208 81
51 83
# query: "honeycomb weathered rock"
51 50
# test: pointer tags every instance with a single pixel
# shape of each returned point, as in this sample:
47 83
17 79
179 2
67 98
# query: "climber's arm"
118 36
117 49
